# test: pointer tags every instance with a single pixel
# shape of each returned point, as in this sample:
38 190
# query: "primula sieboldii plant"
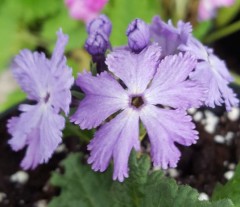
152 80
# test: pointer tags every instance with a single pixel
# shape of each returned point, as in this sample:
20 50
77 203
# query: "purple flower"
156 92
212 73
210 70
102 23
47 82
138 33
169 37
207 8
97 43
99 31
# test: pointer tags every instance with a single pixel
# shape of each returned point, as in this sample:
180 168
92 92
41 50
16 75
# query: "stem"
223 32
100 62
180 9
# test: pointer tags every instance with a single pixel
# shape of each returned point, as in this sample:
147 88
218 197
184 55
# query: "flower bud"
102 23
97 43
138 33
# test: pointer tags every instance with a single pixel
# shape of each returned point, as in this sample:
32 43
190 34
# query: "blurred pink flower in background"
207 8
85 10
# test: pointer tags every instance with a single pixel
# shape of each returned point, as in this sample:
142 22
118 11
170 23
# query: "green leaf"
93 68
75 30
13 98
154 189
227 14
131 192
165 192
230 190
80 186
31 10
223 32
236 78
78 94
13 35
74 130
202 29
9 33
8 40
122 12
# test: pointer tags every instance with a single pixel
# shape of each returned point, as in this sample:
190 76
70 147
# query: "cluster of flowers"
153 80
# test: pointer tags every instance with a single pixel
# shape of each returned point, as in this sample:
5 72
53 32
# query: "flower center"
46 98
137 101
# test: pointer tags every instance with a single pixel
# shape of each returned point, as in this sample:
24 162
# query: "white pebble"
219 139
203 197
21 202
229 174
225 163
211 122
41 203
229 136
61 148
231 166
192 110
157 168
198 116
19 177
2 196
210 128
173 173
203 121
234 114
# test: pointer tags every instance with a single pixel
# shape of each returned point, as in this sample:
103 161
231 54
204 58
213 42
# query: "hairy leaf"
154 189
230 190
80 186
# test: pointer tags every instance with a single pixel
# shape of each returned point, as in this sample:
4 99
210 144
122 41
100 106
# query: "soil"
204 164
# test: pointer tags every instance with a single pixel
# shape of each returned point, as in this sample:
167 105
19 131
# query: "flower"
212 72
97 43
138 33
85 10
100 24
46 82
207 8
155 92
99 30
169 37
